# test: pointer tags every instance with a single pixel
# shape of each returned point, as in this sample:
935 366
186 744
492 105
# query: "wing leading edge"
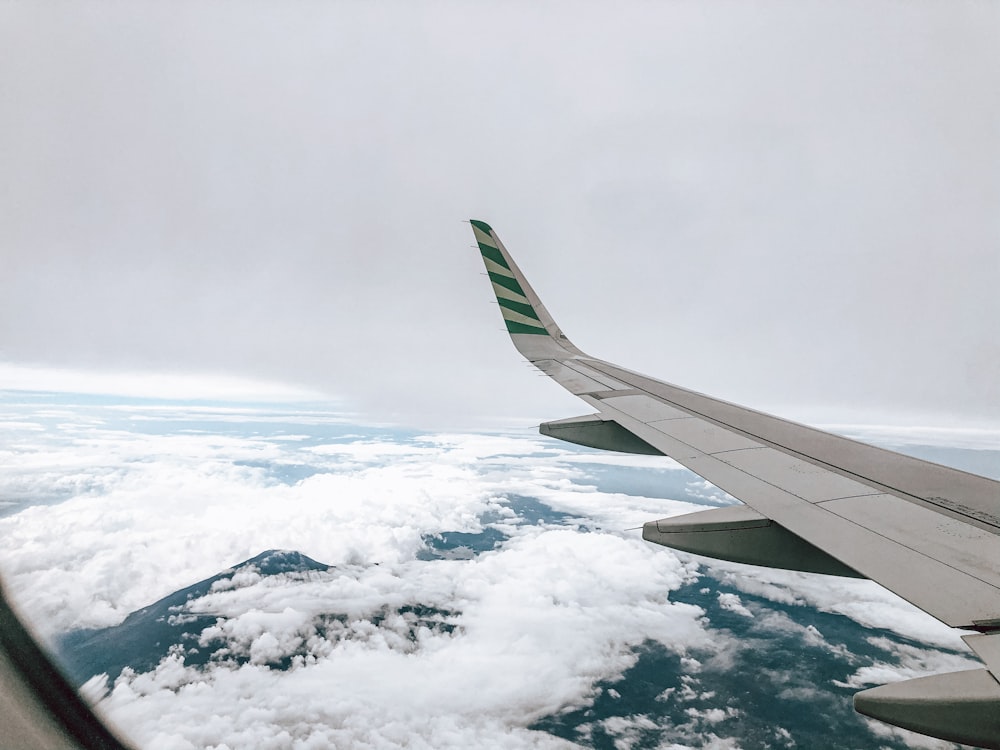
814 501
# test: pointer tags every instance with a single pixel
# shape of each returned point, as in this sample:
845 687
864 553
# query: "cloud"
537 624
732 603
534 627
466 651
188 386
626 730
865 602
910 739
906 662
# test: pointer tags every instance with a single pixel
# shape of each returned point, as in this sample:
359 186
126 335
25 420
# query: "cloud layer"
483 592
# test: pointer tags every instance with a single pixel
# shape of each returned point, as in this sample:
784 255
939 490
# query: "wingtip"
481 225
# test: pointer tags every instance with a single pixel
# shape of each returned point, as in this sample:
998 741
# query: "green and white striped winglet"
518 313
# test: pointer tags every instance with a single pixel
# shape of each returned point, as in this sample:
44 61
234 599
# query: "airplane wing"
813 501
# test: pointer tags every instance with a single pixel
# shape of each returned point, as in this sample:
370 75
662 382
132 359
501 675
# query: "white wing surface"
814 501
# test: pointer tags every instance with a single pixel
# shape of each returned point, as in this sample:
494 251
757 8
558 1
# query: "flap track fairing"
741 534
594 431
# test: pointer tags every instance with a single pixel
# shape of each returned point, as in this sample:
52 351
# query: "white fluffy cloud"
538 623
865 602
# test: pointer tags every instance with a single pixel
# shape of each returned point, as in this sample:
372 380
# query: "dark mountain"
147 635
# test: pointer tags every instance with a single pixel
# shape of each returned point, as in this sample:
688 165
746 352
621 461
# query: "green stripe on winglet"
526 310
493 254
507 282
481 225
513 327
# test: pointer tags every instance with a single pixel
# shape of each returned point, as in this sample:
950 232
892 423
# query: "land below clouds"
775 675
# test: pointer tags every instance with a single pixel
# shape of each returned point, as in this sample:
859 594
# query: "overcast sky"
790 205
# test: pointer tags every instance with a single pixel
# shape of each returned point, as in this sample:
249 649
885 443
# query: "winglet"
532 329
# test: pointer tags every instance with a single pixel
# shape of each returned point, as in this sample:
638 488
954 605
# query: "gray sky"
790 205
